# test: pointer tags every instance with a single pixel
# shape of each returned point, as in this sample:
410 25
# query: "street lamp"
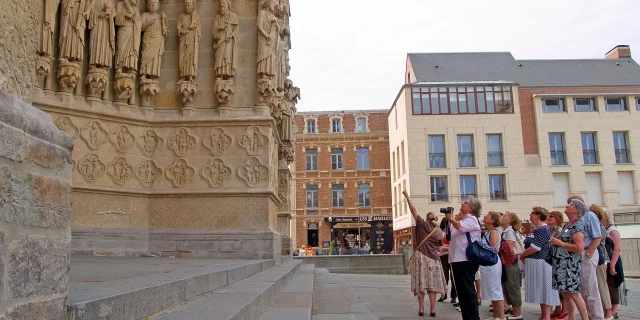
359 234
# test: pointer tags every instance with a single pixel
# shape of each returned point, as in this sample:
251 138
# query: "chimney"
619 52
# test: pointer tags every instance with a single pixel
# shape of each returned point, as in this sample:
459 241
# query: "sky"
351 54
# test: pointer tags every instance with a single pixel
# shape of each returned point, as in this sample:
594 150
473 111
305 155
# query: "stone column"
284 210
35 206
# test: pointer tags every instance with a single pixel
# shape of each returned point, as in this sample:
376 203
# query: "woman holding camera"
427 276
466 221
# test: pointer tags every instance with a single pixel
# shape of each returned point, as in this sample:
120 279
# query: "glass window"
426 105
336 125
444 107
364 199
361 125
312 196
439 189
638 103
336 159
437 158
416 102
435 105
481 102
615 104
311 126
337 191
467 187
496 187
553 105
491 108
311 159
462 100
362 157
556 143
584 104
589 151
453 103
494 150
620 145
465 151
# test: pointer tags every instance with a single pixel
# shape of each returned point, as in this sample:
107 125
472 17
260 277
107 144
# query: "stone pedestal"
68 75
97 82
124 86
149 89
188 90
35 197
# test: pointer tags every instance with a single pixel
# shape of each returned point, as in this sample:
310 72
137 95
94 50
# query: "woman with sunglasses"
427 276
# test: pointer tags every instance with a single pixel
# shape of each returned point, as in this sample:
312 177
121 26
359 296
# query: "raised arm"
412 208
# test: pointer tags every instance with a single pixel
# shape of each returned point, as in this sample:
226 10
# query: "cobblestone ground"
350 296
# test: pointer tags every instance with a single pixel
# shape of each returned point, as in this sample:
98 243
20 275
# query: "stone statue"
102 44
129 25
225 46
189 33
45 52
268 28
155 28
73 16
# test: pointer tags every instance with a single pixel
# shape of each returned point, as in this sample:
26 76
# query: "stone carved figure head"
153 5
189 5
224 7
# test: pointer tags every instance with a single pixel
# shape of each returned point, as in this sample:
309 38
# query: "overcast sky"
350 54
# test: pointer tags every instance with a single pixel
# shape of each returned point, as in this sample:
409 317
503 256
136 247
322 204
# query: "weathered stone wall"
35 205
20 21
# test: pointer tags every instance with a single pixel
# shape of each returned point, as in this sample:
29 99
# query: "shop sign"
325 244
351 225
346 219
382 218
312 226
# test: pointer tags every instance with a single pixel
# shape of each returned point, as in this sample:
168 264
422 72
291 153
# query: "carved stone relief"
253 172
225 46
253 141
149 143
91 168
155 29
119 171
216 173
217 142
182 142
189 34
102 45
45 51
94 135
65 124
179 173
73 22
286 151
147 173
283 190
122 140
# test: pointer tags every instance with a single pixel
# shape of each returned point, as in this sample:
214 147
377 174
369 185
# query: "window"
311 126
336 125
465 151
556 143
337 191
627 189
560 189
496 187
439 189
402 156
467 187
621 146
638 104
615 104
362 157
494 150
553 105
312 196
395 203
336 159
393 159
363 195
361 125
584 105
594 187
312 159
461 100
437 157
589 151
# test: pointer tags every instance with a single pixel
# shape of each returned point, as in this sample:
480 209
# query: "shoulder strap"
427 237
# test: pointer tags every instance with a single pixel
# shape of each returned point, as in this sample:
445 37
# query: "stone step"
295 300
137 297
245 299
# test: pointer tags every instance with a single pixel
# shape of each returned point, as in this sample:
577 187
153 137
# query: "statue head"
153 5
189 6
224 7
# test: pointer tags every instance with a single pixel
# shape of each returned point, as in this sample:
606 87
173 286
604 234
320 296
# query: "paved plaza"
370 297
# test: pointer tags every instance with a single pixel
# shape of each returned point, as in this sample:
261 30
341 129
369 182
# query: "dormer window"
311 126
336 125
361 125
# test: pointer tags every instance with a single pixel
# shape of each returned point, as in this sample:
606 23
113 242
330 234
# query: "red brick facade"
376 139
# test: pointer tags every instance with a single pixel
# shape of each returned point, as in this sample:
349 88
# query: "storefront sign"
351 225
382 218
325 244
312 226
346 219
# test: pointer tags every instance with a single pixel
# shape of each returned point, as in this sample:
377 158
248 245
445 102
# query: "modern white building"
516 134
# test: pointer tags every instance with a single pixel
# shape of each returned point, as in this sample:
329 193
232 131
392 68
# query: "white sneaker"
512 317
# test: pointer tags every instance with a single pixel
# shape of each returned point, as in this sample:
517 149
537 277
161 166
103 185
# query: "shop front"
363 234
402 238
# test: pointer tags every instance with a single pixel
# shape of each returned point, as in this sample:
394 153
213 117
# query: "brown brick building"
342 176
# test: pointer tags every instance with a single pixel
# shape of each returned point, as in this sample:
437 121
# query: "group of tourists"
582 255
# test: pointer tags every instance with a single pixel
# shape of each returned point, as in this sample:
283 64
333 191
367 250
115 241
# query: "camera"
446 210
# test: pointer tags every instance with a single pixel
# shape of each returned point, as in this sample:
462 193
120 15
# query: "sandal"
480 301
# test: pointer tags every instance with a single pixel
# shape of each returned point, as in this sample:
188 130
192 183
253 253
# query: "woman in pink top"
466 221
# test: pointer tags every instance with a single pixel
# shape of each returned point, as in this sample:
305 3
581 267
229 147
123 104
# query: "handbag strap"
468 237
425 238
